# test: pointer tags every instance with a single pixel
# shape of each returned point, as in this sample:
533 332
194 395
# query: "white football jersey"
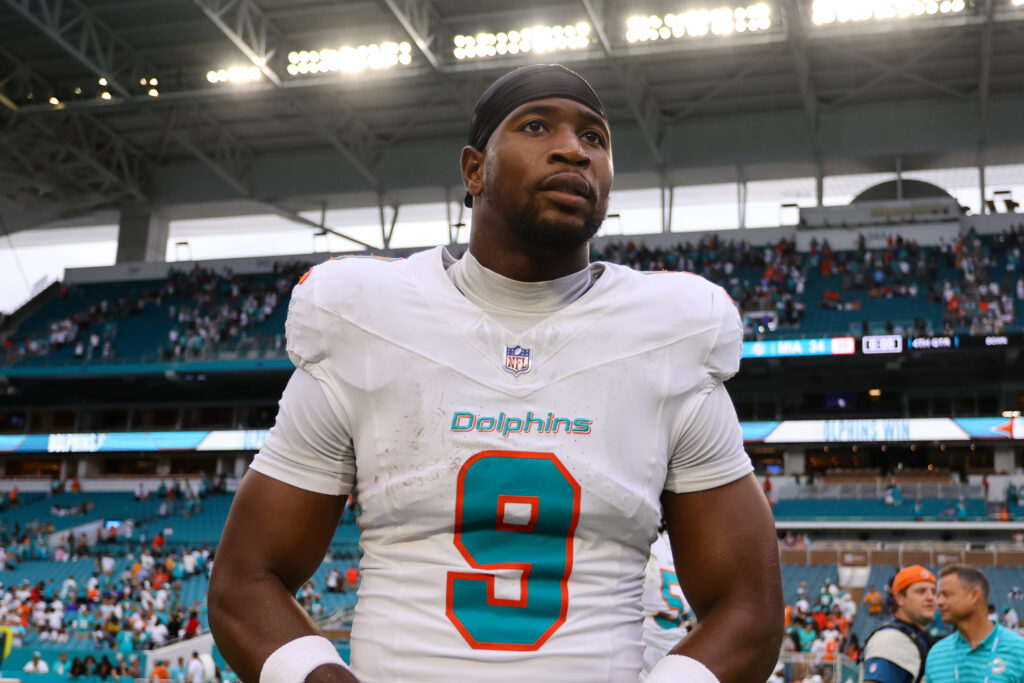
664 606
509 483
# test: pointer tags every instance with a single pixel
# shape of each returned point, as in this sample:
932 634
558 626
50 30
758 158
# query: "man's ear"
473 170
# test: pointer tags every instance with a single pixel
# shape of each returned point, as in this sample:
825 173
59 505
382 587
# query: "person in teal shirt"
83 624
979 651
177 672
806 635
125 638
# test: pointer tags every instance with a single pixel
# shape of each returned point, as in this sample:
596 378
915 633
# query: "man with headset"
895 652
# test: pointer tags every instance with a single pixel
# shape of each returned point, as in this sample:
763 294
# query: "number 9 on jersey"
513 511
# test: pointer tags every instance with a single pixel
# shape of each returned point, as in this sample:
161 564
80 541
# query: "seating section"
876 510
187 316
198 528
967 287
815 575
865 623
77 508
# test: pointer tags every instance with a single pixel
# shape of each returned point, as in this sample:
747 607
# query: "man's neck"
503 252
901 616
976 629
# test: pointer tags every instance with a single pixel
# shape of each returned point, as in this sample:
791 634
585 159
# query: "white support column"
794 460
1004 460
141 235
88 467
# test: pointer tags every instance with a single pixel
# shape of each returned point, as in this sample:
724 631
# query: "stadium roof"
792 98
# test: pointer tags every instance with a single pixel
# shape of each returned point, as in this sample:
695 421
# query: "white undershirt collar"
516 305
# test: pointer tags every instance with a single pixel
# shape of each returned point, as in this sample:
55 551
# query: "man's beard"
547 235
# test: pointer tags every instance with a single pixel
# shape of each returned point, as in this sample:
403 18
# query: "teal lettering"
581 426
509 429
469 418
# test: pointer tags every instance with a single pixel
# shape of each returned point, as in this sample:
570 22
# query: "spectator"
104 669
36 665
134 669
192 627
160 672
196 670
177 672
78 668
874 600
61 667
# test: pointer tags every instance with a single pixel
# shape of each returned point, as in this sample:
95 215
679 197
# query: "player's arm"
275 538
727 561
890 656
281 523
884 671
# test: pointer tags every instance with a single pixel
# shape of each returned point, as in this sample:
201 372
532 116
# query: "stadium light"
722 21
235 74
845 11
105 95
54 101
153 92
347 59
102 81
539 39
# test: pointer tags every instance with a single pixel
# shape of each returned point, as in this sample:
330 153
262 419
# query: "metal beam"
295 217
421 22
985 73
797 39
738 77
889 71
105 160
41 214
76 29
249 29
20 83
642 103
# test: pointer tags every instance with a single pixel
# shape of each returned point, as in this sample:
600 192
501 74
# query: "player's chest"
434 440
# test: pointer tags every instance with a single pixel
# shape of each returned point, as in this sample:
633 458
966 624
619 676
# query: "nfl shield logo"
517 359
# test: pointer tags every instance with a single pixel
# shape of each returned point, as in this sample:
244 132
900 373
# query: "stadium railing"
901 554
876 490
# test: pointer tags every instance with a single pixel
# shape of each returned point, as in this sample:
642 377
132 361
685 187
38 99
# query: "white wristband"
680 669
296 659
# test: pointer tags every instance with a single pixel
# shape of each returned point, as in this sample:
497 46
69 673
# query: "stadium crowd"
209 310
774 278
206 309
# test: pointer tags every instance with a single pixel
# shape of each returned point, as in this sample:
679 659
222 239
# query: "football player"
514 425
666 612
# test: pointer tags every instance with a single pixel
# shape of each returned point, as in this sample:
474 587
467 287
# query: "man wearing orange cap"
896 651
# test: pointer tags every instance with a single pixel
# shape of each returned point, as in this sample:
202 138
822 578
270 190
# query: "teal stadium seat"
871 510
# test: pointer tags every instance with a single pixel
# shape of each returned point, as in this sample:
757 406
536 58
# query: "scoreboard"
875 345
